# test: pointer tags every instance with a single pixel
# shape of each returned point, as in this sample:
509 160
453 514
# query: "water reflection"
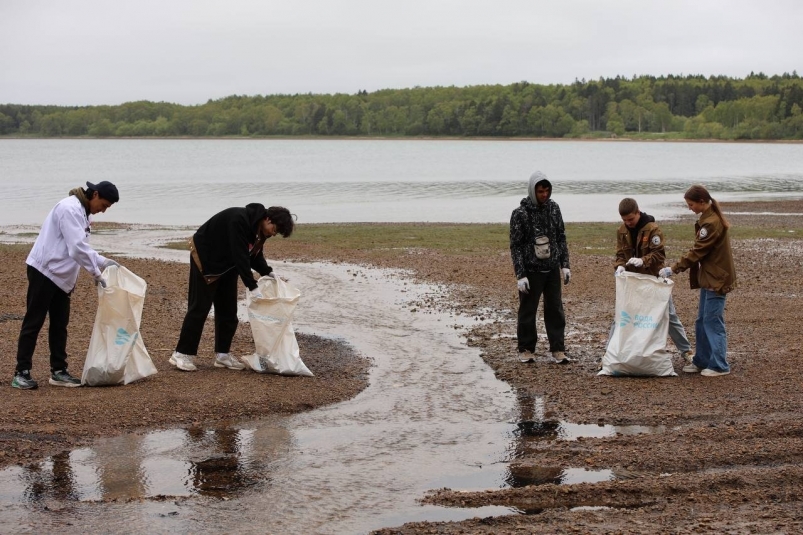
179 462
536 427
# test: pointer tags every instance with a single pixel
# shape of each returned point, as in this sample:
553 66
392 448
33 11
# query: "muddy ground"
724 455
52 419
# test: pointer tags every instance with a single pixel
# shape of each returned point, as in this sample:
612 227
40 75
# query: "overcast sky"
84 52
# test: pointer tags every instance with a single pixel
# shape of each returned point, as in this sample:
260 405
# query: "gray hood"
536 177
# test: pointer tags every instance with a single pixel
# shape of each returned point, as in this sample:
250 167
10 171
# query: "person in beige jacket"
710 261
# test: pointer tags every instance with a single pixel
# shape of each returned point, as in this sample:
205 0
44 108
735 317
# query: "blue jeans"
676 331
712 341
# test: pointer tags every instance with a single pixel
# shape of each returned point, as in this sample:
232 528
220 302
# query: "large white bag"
271 324
116 352
638 341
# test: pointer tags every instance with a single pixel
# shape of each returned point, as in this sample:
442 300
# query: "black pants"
223 294
44 298
549 285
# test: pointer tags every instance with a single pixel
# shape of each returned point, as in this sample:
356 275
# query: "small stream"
433 416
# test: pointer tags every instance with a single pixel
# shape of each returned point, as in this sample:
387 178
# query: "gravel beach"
706 455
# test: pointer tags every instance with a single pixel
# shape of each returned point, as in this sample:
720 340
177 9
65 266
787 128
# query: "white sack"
116 352
271 324
638 342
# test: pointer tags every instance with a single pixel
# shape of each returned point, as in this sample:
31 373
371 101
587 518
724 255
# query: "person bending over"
227 247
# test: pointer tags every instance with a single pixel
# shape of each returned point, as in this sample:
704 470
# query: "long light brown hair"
698 193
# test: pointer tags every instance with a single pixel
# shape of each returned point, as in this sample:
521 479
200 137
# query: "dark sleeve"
259 264
239 236
518 238
560 238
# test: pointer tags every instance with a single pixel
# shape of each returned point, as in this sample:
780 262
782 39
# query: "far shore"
415 138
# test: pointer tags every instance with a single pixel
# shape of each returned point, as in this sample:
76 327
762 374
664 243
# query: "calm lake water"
183 182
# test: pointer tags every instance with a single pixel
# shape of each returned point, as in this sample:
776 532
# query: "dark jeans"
223 294
44 298
549 285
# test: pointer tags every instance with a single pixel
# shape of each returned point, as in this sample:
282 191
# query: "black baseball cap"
106 190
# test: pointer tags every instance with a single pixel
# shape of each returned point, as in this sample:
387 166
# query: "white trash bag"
271 324
638 341
116 352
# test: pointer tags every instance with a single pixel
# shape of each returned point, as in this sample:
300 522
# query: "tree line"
693 106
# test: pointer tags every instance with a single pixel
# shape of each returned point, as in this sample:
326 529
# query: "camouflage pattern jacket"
528 221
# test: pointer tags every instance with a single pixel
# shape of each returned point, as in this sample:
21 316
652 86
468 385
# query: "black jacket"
227 241
528 221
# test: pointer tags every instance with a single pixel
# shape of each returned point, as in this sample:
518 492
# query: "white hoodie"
62 247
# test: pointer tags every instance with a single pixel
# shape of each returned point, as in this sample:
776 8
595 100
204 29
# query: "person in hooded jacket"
640 249
541 263
58 254
229 245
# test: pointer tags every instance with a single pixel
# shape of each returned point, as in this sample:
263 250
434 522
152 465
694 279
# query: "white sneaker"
713 373
226 360
691 368
182 361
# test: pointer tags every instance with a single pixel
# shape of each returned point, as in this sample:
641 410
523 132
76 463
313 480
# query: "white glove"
635 261
620 270
524 285
256 294
108 263
99 280
665 272
275 275
567 275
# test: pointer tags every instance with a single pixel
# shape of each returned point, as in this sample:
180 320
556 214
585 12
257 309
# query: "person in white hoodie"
60 251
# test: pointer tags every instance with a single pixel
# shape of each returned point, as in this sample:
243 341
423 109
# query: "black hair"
283 219
544 183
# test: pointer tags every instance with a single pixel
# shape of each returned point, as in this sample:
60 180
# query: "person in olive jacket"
710 261
224 248
640 249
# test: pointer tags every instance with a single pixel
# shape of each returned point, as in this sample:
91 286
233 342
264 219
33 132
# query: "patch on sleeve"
703 233
656 240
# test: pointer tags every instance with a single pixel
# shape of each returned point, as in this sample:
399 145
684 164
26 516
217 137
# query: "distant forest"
644 107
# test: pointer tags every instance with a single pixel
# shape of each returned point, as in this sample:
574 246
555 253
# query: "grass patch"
469 239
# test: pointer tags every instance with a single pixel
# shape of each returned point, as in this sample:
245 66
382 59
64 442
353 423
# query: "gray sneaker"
691 368
226 360
63 378
23 381
687 356
560 357
182 361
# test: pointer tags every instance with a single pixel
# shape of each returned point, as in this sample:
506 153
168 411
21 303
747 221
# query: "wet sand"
721 454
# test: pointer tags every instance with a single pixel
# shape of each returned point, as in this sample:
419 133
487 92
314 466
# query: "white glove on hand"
99 280
635 261
275 275
567 275
524 285
256 294
665 272
620 270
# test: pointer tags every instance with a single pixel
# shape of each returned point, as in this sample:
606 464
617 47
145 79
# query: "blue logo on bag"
639 321
625 319
123 337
